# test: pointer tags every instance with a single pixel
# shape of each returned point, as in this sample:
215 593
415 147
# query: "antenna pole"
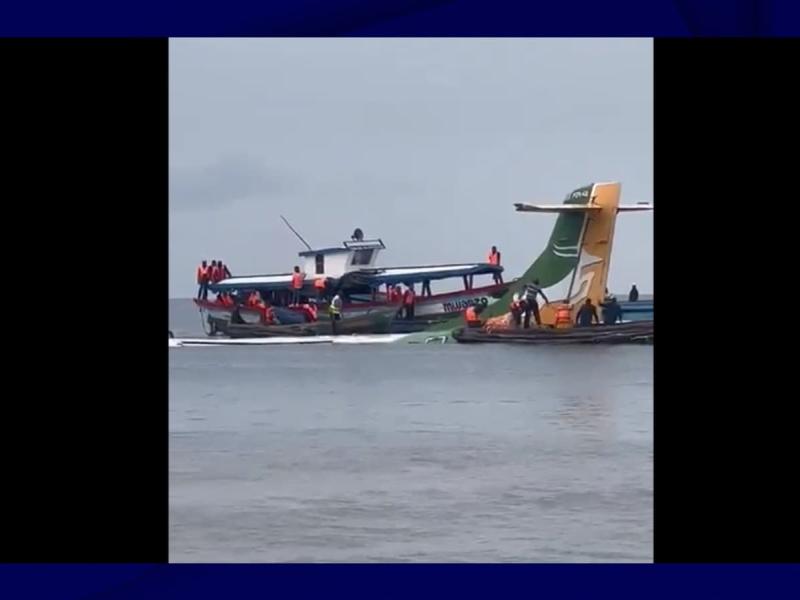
297 234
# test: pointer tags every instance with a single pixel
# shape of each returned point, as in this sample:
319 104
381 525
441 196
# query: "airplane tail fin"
575 264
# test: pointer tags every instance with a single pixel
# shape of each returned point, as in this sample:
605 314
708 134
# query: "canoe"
376 321
635 332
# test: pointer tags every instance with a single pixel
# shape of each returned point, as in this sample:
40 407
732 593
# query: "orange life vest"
408 297
202 274
471 316
563 315
494 258
319 283
215 274
297 281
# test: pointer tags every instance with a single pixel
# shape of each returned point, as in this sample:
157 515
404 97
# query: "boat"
378 320
351 270
634 332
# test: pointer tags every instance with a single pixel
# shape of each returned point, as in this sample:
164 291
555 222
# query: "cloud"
228 180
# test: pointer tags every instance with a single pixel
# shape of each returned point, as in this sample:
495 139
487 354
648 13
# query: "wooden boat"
635 332
377 321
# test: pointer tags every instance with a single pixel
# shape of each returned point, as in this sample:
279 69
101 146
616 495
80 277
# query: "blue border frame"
645 18
637 582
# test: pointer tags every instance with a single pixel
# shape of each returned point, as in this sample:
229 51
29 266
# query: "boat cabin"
335 262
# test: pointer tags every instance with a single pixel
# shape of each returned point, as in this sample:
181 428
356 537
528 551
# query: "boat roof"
372 277
262 282
394 275
346 247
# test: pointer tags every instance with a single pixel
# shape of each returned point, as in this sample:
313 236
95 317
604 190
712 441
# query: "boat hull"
378 321
634 332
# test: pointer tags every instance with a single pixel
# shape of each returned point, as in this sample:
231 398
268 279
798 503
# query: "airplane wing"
634 207
555 208
577 208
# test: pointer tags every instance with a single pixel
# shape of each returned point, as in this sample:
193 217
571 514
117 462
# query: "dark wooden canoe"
636 332
377 321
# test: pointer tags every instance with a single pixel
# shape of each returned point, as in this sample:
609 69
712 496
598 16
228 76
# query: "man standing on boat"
586 313
531 304
298 280
633 295
612 311
335 311
409 299
202 281
494 259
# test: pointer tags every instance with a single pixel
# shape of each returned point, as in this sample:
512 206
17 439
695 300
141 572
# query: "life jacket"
471 316
215 274
267 316
563 316
494 258
227 300
297 281
311 312
515 306
252 299
335 307
202 274
408 297
319 283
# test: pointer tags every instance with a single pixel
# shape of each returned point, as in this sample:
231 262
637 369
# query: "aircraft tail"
575 264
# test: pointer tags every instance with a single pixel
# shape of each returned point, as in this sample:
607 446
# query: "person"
226 272
311 311
633 295
358 235
586 313
471 315
494 259
516 310
297 285
426 288
220 273
408 302
319 286
529 295
335 311
397 295
612 311
202 280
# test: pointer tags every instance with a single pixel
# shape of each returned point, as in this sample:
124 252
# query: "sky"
425 143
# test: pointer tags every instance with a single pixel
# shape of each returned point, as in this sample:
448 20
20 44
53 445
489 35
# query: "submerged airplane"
575 263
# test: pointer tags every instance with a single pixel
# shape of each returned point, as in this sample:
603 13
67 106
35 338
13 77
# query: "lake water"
438 453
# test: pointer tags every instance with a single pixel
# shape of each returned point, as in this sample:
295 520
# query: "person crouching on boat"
531 291
471 315
409 299
586 313
516 308
310 310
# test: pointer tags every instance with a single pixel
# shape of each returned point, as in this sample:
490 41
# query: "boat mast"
297 234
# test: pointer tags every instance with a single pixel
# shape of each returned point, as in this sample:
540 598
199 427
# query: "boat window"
362 257
319 264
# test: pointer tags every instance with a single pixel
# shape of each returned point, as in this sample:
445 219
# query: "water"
486 453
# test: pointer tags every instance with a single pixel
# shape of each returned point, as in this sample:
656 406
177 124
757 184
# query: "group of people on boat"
524 305
208 274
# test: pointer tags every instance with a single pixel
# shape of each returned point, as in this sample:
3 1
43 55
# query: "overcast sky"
425 143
